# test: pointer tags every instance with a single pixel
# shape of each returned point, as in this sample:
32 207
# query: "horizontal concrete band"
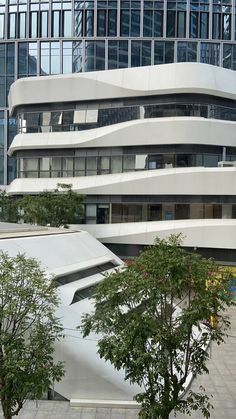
207 233
151 80
174 181
156 131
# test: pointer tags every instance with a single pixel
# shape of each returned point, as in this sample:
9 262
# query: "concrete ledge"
123 404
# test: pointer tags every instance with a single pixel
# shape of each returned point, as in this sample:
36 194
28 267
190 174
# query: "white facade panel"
157 131
177 181
132 82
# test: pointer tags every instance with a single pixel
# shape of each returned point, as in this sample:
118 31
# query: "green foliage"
60 207
150 316
28 331
8 208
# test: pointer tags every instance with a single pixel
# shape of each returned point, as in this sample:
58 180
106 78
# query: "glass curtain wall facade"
39 37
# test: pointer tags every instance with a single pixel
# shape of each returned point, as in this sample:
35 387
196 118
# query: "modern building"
78 262
40 37
153 149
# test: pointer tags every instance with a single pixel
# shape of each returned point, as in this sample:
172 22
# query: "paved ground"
221 383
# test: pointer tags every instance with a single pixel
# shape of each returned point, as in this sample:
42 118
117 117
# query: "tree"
150 316
28 331
8 208
60 207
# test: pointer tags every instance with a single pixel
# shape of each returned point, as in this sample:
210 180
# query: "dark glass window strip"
84 273
130 212
83 293
32 21
43 167
84 119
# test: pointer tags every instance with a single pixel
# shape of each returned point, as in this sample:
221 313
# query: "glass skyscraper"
39 37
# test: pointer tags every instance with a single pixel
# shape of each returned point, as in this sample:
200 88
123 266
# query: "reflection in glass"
12 25
204 18
44 25
170 29
32 60
100 55
55 58
88 23
22 25
181 27
226 26
2 26
66 30
193 33
210 53
10 59
33 24
187 51
67 57
56 23
77 57
45 58
135 23
23 58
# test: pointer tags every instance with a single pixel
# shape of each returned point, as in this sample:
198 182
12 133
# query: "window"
22 27
84 19
106 22
2 26
56 166
67 57
56 23
66 25
94 55
187 51
117 54
176 20
229 56
77 51
27 58
221 26
82 294
140 53
12 25
130 18
152 21
84 273
210 53
44 24
163 52
33 25
199 25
